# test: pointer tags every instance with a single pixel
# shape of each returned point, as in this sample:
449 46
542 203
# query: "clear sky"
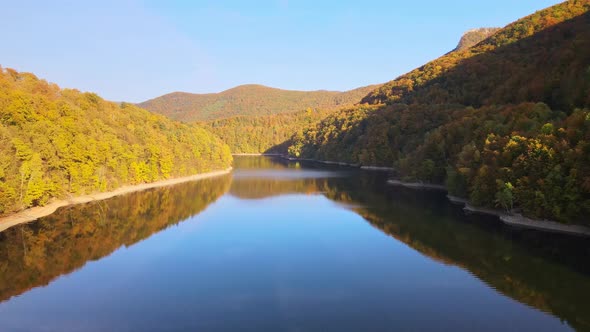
135 50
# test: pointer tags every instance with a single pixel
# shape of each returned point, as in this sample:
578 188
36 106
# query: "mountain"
474 36
249 99
504 123
55 143
542 57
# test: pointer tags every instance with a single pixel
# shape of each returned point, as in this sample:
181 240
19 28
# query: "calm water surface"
287 247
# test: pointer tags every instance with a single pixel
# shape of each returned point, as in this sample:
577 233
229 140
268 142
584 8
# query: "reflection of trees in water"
262 163
500 258
529 267
256 188
540 270
34 254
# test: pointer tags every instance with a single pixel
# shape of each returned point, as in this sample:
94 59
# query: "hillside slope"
542 57
255 100
265 133
504 123
56 143
268 133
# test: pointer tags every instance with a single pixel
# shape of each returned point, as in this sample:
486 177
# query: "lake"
283 246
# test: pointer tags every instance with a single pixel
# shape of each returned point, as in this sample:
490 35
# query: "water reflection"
34 254
541 270
545 272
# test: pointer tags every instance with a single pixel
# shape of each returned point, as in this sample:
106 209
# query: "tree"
505 196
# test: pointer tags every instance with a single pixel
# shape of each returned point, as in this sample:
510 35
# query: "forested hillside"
542 57
60 142
504 123
267 133
251 100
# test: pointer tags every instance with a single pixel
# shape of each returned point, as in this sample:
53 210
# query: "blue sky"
136 50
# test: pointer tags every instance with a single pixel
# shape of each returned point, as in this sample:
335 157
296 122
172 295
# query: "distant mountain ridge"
249 99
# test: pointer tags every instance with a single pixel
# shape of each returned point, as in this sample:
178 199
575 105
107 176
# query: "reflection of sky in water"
279 264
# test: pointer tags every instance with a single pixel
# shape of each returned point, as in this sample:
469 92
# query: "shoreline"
417 185
326 162
258 154
37 212
340 163
519 221
470 209
457 200
378 168
514 220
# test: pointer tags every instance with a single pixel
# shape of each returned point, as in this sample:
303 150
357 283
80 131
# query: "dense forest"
504 123
251 100
60 142
265 133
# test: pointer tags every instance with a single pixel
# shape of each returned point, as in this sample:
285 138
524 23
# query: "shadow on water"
544 271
